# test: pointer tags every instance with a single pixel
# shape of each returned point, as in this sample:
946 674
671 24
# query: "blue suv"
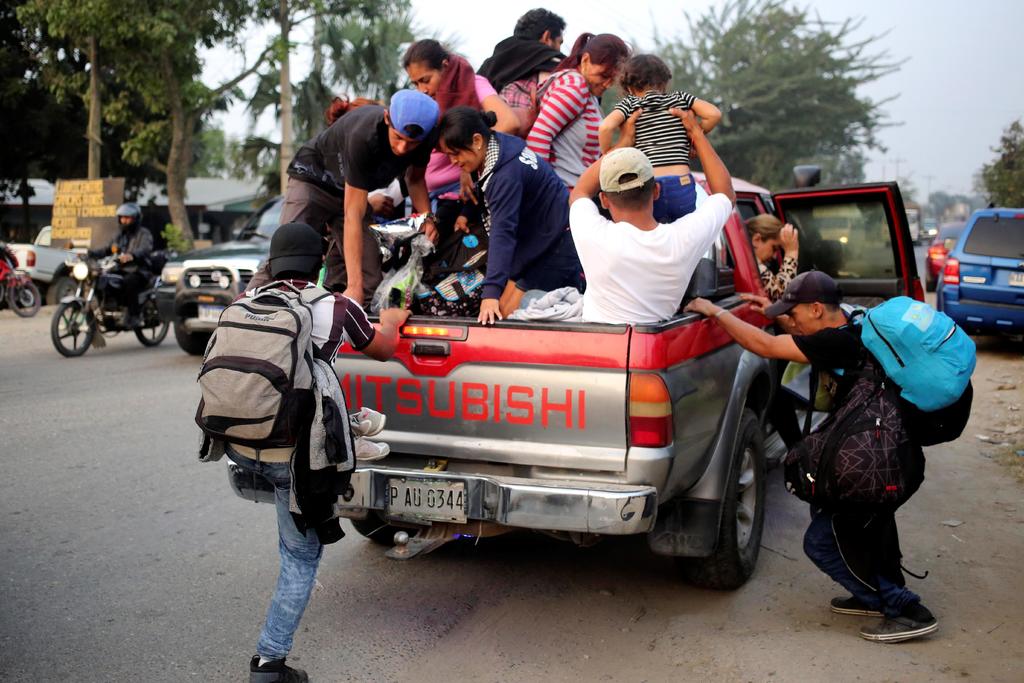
983 282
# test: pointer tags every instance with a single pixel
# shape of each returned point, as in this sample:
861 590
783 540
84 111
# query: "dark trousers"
132 284
306 203
862 567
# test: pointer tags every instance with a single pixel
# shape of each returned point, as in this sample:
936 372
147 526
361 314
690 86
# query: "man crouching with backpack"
242 370
857 547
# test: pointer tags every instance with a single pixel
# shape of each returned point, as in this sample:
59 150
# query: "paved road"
125 560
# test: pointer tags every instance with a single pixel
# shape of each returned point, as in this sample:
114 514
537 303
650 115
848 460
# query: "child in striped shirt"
660 134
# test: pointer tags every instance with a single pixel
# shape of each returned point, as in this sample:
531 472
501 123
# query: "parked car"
983 278
583 430
201 283
941 245
48 266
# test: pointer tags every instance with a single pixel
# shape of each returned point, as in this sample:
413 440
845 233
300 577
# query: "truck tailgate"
532 394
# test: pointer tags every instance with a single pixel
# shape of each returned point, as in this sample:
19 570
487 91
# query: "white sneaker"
368 451
367 422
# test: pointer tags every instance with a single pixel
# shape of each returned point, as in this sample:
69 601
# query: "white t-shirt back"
639 276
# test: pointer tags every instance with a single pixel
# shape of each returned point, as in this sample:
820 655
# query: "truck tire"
742 519
61 287
193 343
375 529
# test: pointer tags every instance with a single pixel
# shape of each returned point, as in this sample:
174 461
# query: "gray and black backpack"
257 376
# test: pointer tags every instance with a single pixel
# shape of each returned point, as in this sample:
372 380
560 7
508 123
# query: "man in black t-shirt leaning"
858 551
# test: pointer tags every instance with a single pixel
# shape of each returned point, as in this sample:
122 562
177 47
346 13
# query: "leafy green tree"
786 82
357 50
1002 180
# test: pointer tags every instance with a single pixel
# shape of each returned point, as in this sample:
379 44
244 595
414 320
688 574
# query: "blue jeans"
821 546
300 557
677 198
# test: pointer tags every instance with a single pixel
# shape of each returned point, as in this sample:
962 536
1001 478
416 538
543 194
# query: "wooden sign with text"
83 211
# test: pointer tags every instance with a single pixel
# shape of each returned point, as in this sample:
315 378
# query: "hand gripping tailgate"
524 394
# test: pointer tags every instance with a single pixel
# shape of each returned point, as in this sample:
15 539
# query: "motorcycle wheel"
153 329
72 324
24 299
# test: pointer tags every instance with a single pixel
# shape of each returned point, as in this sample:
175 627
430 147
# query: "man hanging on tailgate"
295 260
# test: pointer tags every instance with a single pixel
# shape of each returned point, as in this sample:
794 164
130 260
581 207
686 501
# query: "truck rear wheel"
193 343
62 286
742 519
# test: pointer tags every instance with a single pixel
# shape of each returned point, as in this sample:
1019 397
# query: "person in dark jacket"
132 246
526 212
522 62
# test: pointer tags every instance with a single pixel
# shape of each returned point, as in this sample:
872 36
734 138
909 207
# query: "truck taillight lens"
650 411
435 332
951 272
937 253
30 259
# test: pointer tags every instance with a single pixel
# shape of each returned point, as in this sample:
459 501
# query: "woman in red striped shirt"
565 132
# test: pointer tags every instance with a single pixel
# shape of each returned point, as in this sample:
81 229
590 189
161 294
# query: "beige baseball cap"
626 168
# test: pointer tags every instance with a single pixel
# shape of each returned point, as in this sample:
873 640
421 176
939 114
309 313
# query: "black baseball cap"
811 287
295 247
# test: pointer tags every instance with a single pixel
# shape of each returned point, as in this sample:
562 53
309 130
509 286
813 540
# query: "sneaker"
367 422
368 451
275 671
853 606
913 622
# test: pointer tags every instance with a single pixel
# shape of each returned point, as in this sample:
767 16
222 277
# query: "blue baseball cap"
413 114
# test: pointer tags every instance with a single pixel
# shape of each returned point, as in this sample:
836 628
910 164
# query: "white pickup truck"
47 266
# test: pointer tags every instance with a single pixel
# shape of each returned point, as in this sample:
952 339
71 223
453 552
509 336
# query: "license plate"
210 314
1017 279
436 501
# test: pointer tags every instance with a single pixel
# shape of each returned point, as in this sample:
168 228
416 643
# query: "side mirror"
704 282
807 175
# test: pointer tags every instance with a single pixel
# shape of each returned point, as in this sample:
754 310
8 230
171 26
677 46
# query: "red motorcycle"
17 289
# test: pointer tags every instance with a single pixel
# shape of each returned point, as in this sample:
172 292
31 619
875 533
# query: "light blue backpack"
921 349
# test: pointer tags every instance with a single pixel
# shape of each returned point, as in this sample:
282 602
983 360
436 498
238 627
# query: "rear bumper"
979 316
586 507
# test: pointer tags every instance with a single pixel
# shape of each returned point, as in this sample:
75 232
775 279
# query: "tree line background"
114 88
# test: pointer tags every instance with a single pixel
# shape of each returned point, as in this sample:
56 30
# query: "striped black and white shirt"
660 135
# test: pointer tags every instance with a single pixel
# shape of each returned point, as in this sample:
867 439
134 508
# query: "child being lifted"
660 135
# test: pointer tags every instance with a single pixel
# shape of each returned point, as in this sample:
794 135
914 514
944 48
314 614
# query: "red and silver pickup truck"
582 430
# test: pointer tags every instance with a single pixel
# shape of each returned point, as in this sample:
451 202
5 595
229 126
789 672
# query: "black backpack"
862 457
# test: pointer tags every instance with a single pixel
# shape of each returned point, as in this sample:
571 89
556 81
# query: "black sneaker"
275 671
915 621
853 606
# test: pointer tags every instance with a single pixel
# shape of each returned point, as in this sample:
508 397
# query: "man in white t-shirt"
637 269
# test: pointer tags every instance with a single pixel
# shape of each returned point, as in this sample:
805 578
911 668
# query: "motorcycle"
16 288
96 307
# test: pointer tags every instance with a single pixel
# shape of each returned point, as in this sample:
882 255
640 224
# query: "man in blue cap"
365 147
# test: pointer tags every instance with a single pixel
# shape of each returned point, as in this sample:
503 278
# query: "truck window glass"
846 239
1003 238
270 220
747 208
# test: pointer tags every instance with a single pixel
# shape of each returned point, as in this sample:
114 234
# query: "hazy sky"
961 84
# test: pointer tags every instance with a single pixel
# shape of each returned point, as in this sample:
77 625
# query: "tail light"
937 253
650 411
951 273
30 259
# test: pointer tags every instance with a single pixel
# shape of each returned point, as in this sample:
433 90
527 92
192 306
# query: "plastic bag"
395 237
398 287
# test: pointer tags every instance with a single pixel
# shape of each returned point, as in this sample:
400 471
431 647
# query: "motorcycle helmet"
131 210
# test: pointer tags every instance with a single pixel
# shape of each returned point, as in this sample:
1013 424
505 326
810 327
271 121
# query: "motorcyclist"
132 246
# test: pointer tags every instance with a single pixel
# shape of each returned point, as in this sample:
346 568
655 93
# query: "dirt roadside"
613 612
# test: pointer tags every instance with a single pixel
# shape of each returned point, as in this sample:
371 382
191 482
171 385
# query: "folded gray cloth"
564 305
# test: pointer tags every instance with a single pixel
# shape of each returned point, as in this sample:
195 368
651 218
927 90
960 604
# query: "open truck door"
859 235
